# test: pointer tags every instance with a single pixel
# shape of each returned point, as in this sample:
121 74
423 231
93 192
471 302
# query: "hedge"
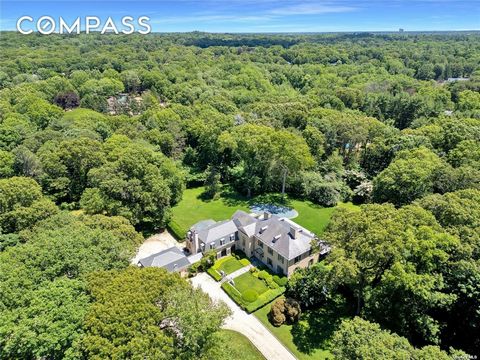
244 262
264 299
176 230
214 274
282 281
234 294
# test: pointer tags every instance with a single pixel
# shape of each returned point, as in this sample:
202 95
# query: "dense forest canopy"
100 135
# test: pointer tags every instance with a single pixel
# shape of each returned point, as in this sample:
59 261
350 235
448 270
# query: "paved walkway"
237 273
246 324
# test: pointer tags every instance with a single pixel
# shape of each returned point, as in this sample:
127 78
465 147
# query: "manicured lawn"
248 281
308 339
228 264
314 217
194 208
240 347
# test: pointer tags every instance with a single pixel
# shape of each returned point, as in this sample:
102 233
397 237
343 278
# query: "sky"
262 15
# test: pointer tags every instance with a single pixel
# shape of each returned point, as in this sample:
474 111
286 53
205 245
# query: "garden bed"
255 289
228 265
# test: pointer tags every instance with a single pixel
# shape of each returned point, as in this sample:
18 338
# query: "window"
270 251
297 259
279 269
232 237
222 242
212 245
260 244
280 258
269 261
243 242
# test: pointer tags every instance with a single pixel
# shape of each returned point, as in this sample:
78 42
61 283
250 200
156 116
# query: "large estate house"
279 243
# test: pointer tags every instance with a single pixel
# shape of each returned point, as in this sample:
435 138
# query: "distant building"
279 243
455 79
401 30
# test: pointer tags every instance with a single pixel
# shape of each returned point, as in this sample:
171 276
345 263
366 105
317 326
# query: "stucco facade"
279 243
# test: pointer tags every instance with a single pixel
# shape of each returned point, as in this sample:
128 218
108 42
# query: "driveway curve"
246 324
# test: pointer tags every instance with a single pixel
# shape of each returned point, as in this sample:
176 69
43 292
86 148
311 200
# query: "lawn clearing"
305 340
249 282
194 208
239 346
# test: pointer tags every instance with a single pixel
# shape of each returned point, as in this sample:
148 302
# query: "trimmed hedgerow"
280 280
214 274
264 299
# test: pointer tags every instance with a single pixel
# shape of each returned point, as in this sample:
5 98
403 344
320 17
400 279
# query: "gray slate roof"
172 259
217 231
277 236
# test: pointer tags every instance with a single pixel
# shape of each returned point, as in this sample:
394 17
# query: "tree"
67 100
212 183
360 339
310 286
43 296
409 177
284 311
66 164
170 320
7 161
137 183
392 261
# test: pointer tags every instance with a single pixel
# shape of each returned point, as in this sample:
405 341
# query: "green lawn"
194 208
308 339
228 264
249 282
240 347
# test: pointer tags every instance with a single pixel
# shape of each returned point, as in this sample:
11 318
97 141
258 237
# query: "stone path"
246 324
236 273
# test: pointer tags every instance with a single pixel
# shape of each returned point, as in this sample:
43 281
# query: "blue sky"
263 15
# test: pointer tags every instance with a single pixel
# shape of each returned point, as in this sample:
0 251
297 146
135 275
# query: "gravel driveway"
244 323
154 244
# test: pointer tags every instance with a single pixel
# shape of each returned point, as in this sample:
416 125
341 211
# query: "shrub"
263 275
244 262
264 299
276 315
281 281
284 311
250 295
271 283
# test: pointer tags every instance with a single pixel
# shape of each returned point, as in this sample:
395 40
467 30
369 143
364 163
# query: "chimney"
195 243
266 215
293 232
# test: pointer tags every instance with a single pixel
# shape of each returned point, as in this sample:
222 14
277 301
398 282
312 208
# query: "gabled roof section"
217 231
172 259
275 233
204 224
245 222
